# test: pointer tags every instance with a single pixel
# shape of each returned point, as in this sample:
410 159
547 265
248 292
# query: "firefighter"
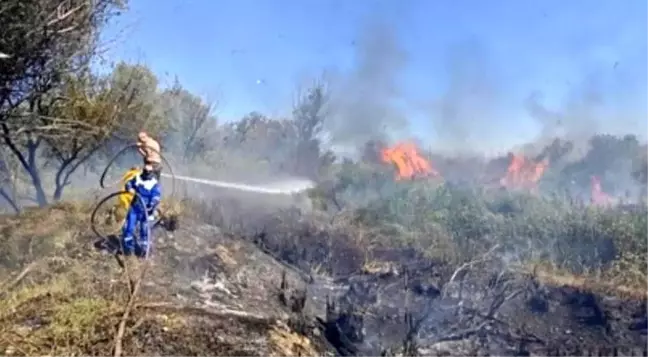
147 194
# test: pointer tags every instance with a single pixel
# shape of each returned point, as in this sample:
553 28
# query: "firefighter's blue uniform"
146 199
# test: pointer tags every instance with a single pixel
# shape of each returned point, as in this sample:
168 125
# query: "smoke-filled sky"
460 73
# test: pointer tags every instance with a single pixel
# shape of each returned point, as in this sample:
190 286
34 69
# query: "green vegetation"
459 224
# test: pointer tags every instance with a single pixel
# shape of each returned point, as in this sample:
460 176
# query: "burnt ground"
401 298
206 292
402 301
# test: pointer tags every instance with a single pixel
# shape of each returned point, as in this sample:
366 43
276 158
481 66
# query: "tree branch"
9 200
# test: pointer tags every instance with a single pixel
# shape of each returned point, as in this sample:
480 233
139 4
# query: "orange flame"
524 173
598 196
408 161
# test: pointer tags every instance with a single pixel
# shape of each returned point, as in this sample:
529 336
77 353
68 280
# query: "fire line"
408 161
523 173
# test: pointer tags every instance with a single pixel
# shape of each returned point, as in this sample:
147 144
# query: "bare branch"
469 265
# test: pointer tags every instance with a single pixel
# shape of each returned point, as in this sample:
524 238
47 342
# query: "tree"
103 109
8 180
309 114
270 144
287 146
90 111
139 86
191 122
46 43
263 139
44 39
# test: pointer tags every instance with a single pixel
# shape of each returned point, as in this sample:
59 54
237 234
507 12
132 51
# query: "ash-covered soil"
206 292
403 299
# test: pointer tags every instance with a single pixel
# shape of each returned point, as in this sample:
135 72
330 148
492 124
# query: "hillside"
203 294
210 292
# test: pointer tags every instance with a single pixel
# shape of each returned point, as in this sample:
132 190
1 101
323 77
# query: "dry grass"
60 297
285 342
226 256
600 282
379 267
70 312
37 234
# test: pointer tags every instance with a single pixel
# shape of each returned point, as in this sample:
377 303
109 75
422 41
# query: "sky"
461 73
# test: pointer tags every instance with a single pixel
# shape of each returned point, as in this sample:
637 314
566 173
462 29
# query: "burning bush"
456 223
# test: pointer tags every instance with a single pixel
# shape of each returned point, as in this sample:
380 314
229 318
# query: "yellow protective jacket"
124 200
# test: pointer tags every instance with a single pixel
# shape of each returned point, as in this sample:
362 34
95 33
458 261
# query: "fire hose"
93 216
102 179
294 186
119 248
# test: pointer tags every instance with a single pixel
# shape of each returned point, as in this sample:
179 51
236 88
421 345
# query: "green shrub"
552 229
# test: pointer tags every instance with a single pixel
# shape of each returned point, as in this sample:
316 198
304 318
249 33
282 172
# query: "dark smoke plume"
365 100
465 116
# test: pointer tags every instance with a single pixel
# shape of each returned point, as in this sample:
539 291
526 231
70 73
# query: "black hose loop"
149 226
102 179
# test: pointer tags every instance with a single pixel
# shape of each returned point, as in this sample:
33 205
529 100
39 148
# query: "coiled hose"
149 224
93 216
102 179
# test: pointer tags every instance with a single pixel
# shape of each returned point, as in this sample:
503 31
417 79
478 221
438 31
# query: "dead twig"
220 313
23 352
468 265
136 325
463 334
119 335
6 286
487 318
